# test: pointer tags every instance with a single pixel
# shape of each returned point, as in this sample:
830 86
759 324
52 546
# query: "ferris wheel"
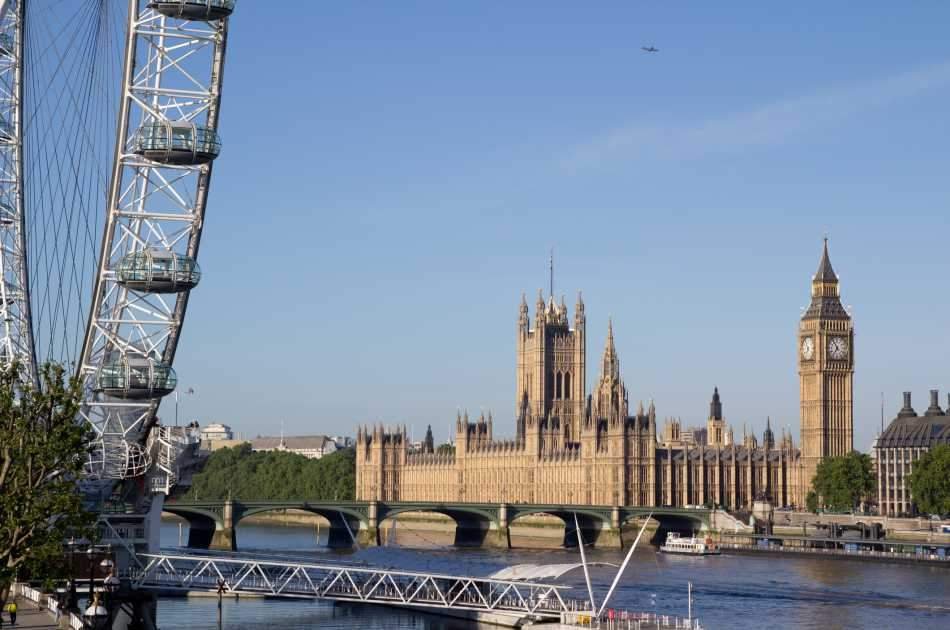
153 202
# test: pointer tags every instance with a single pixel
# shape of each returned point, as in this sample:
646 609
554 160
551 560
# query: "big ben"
826 373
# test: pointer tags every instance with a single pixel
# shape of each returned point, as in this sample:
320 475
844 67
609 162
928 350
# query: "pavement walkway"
29 616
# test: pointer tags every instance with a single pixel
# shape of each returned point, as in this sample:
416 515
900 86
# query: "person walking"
12 610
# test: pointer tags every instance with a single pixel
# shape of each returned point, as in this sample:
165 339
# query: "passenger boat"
691 546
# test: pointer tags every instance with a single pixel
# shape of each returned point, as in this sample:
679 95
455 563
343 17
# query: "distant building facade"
898 448
310 446
216 432
589 449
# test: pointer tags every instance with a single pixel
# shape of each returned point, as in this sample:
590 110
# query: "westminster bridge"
212 524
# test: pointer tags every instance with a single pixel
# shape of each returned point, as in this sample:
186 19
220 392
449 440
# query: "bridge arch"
595 525
346 523
679 521
473 524
203 524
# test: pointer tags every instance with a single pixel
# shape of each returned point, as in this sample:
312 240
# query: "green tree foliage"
275 475
42 453
930 481
445 449
843 483
811 501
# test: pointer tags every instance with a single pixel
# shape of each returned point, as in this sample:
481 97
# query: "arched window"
558 386
567 385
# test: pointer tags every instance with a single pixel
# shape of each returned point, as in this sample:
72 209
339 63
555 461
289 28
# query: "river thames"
728 591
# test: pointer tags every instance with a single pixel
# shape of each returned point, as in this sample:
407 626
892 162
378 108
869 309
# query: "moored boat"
692 546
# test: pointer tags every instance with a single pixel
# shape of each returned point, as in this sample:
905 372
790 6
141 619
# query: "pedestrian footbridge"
350 583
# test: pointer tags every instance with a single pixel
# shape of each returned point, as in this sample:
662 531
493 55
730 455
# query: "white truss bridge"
351 583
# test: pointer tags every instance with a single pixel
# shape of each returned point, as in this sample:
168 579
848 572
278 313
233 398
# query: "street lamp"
90 556
190 391
95 613
111 586
71 601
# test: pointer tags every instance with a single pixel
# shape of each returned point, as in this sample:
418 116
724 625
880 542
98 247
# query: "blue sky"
395 174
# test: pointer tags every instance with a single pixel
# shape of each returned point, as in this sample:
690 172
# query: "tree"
275 475
42 453
930 481
842 483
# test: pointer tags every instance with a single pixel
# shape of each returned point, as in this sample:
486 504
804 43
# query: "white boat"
691 546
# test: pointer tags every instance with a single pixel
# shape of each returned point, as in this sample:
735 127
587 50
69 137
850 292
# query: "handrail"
346 582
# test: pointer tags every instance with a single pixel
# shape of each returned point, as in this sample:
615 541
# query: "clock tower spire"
826 371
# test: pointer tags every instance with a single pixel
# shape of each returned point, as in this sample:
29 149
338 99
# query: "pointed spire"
826 272
715 407
611 364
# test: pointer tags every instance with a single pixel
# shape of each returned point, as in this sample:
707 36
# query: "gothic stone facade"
571 447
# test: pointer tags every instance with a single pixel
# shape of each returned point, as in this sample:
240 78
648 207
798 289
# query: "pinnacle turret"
825 295
611 364
826 272
715 406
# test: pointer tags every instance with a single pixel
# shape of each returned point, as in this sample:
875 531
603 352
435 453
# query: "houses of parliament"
580 448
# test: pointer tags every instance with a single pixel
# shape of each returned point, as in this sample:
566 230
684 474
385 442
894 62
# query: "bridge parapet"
214 522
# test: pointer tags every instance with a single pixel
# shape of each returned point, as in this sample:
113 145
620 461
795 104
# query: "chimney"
907 411
934 409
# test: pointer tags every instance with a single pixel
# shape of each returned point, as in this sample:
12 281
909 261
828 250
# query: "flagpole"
580 544
623 566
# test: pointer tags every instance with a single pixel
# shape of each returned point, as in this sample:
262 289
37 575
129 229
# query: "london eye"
109 116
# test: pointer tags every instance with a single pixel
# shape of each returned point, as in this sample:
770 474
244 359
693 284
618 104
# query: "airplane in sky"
649 49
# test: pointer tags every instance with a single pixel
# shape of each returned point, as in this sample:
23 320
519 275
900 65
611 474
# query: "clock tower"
826 372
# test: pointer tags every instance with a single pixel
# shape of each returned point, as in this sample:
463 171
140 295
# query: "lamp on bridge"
95 614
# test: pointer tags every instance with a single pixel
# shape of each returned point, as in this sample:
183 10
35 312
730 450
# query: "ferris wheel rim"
102 342
18 343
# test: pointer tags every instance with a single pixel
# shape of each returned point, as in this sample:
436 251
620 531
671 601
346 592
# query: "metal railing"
625 620
47 603
340 582
859 553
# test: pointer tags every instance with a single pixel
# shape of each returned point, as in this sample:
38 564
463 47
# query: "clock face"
808 348
837 348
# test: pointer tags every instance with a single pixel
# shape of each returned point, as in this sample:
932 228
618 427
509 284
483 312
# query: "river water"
728 591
